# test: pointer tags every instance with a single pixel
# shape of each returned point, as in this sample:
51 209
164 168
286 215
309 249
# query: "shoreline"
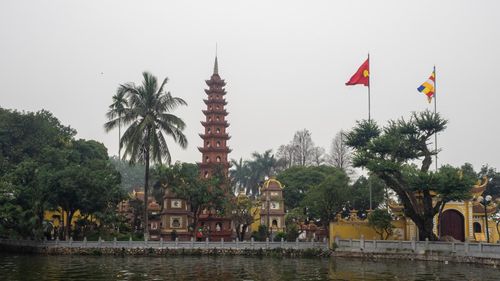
164 252
432 256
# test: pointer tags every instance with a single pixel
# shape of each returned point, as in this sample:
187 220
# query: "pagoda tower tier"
216 111
219 101
217 123
208 136
214 150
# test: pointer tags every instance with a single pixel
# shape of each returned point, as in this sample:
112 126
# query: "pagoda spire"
216 66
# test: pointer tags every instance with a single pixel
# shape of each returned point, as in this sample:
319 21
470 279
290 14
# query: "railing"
170 244
385 246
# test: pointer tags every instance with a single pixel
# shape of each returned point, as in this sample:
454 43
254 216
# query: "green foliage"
183 179
381 221
149 118
25 139
249 175
262 233
493 185
295 216
391 152
240 175
43 167
80 177
298 180
279 235
242 210
361 193
292 232
326 200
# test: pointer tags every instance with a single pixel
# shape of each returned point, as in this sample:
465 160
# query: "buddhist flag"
362 76
427 87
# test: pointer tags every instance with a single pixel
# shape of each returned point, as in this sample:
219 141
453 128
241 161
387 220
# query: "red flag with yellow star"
362 76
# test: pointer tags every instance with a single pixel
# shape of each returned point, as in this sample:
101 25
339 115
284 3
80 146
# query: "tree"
240 175
286 156
148 118
381 221
81 178
45 168
340 154
300 152
25 139
391 153
242 211
303 145
493 186
298 180
202 194
491 174
116 110
361 193
317 156
293 219
326 200
260 166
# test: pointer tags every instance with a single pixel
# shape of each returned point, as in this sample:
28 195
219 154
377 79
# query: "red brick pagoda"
214 152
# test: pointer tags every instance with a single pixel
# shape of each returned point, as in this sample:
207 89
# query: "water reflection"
230 268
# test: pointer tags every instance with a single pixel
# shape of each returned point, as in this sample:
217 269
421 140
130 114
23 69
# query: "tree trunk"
242 233
62 227
196 215
119 137
146 188
426 230
67 229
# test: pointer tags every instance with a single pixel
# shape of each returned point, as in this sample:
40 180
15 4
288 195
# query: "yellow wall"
356 229
406 229
49 216
256 219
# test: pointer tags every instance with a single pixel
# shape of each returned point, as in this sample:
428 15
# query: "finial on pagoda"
216 66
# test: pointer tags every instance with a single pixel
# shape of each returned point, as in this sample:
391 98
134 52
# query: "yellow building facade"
460 220
271 210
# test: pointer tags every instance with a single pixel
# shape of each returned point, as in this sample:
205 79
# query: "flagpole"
369 76
435 112
369 119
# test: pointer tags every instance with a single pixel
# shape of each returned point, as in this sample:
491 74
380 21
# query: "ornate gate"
452 224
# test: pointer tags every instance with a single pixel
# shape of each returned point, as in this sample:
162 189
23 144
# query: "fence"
170 244
466 249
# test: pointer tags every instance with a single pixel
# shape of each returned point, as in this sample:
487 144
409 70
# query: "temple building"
176 217
272 207
460 220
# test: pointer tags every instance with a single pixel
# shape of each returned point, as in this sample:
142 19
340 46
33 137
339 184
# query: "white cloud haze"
285 63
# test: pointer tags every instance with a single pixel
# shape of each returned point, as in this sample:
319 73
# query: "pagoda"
214 151
214 154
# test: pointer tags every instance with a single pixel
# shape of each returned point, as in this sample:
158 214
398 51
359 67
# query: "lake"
31 267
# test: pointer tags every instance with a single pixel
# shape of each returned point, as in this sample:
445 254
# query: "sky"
285 64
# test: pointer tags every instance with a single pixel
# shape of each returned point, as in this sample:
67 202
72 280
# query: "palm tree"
260 166
116 110
149 118
240 174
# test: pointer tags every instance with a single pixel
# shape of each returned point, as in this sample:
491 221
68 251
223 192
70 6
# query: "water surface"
26 267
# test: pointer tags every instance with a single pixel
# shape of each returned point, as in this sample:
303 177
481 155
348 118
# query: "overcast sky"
285 63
